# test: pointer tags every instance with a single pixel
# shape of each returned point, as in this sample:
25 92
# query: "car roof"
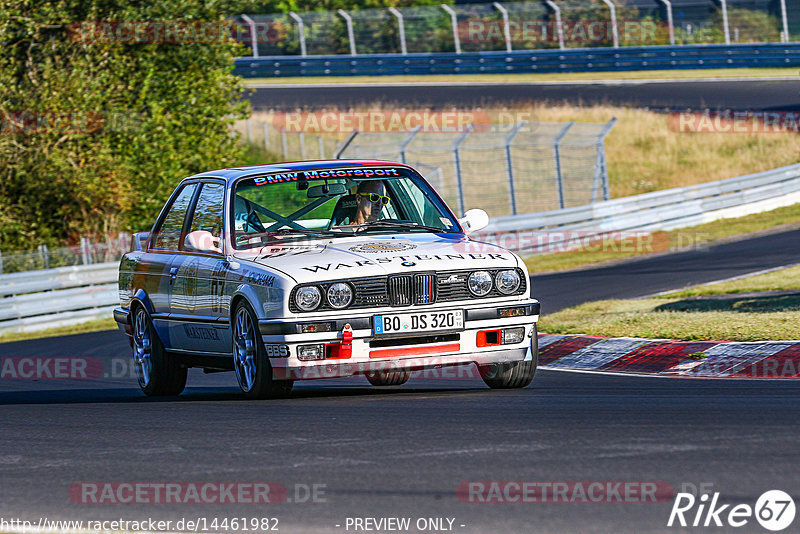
233 173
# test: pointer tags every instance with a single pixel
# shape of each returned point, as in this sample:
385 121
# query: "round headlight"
507 281
340 295
480 283
308 298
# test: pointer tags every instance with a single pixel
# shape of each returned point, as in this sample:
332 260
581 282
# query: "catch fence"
505 169
510 26
87 252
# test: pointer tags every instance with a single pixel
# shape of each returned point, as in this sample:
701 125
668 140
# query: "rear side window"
168 236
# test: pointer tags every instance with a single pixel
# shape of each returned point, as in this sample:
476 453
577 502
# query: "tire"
253 370
387 378
158 373
512 375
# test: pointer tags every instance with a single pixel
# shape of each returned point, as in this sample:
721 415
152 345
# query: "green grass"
90 326
781 280
542 77
660 242
757 315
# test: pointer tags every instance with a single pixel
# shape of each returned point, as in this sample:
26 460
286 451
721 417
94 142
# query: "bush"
108 128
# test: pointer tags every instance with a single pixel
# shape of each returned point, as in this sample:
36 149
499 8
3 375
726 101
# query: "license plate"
403 323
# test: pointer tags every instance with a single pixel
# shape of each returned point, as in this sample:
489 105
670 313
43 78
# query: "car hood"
352 257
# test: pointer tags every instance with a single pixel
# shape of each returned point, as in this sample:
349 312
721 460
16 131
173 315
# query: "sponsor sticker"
376 247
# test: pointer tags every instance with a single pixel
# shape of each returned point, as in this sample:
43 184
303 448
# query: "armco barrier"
47 298
660 210
570 60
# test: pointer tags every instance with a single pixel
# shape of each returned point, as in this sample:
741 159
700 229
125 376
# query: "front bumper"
123 318
423 350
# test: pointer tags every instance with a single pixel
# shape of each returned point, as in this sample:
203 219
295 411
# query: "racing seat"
345 210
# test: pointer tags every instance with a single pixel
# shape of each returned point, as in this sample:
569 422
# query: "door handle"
173 273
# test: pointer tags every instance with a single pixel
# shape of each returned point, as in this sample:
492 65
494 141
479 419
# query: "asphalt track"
402 452
737 94
655 274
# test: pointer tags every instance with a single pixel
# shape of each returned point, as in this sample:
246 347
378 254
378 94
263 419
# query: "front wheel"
514 374
157 372
253 370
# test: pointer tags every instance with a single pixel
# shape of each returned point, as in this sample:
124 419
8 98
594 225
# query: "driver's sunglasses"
375 198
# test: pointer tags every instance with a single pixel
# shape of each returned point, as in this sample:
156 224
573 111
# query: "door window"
169 235
209 211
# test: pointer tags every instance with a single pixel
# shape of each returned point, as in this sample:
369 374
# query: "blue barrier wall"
571 60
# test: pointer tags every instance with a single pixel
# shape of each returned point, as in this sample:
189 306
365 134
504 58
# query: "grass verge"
710 312
539 77
672 241
90 326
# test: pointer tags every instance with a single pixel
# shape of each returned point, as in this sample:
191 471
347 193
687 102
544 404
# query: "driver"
370 198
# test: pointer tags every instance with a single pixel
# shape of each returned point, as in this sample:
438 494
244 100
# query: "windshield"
333 203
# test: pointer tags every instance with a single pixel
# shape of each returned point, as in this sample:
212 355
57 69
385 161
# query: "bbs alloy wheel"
157 372
250 361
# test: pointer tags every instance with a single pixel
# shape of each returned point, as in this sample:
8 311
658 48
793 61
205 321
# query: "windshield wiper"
266 236
305 231
411 225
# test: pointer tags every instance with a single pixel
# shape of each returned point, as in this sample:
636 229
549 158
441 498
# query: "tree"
98 125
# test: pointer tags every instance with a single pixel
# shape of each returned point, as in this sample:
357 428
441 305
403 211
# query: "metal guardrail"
660 210
48 298
570 60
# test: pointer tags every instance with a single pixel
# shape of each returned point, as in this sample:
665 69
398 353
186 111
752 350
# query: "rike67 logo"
774 510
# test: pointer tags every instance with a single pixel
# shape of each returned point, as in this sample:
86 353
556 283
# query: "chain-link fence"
87 252
508 169
507 26
289 145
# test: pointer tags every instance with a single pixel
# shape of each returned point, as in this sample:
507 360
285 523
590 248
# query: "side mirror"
202 241
139 240
474 220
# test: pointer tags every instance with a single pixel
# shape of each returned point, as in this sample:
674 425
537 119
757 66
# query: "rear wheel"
387 378
253 370
157 372
514 374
